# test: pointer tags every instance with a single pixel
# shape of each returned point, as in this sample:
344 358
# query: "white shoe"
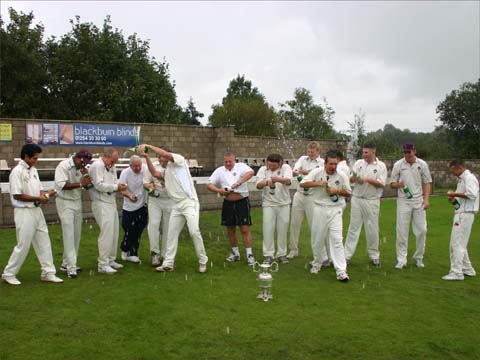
469 272
124 255
202 268
164 268
12 280
51 278
156 259
72 274
343 276
133 259
64 268
292 254
376 262
115 265
315 269
453 276
233 257
106 269
419 263
250 260
401 265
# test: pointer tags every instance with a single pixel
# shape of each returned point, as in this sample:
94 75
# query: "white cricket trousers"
327 227
275 216
185 211
363 211
416 213
159 210
462 226
301 205
106 216
71 218
31 228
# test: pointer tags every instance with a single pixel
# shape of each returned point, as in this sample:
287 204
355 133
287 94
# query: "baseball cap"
408 147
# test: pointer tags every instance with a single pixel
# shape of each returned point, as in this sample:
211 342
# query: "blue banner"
82 134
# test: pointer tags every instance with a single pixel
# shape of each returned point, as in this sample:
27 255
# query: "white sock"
235 251
249 251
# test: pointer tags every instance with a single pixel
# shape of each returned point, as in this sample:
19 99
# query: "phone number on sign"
90 138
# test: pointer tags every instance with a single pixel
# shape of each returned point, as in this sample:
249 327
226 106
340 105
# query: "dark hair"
30 150
457 163
339 154
331 154
276 158
369 146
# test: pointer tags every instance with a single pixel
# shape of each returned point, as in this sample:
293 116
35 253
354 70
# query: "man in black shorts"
230 181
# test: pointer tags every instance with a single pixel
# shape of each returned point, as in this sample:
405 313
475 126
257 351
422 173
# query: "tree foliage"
245 108
459 114
90 73
389 141
305 119
22 67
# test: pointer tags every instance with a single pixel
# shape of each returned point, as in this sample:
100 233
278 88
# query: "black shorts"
236 213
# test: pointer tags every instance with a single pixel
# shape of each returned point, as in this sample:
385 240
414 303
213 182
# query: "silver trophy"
265 279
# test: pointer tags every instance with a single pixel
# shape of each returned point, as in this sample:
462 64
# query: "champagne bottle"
456 204
152 192
333 197
407 192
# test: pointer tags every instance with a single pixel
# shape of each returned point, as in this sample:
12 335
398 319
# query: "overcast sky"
394 60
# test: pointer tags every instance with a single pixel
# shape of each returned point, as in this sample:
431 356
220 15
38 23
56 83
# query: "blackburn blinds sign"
82 134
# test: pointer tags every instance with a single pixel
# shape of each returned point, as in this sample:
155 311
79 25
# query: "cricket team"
161 194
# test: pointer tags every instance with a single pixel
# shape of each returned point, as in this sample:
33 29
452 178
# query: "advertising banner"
5 132
82 134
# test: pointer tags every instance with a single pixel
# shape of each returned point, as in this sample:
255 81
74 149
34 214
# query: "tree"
305 119
97 74
23 71
245 108
459 113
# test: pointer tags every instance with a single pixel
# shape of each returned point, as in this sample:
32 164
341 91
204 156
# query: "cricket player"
368 180
185 209
465 200
302 200
327 224
411 177
71 178
104 207
27 196
230 181
275 179
159 209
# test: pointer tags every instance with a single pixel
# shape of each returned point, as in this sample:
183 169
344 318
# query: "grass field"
382 313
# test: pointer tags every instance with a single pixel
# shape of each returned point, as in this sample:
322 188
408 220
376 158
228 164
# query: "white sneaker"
453 276
72 274
469 272
419 263
133 259
51 278
343 276
124 255
376 262
115 265
401 265
315 269
12 280
292 254
164 268
202 268
250 260
232 257
156 259
106 269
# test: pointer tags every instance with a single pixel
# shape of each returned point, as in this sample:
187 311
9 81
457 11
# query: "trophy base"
265 297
